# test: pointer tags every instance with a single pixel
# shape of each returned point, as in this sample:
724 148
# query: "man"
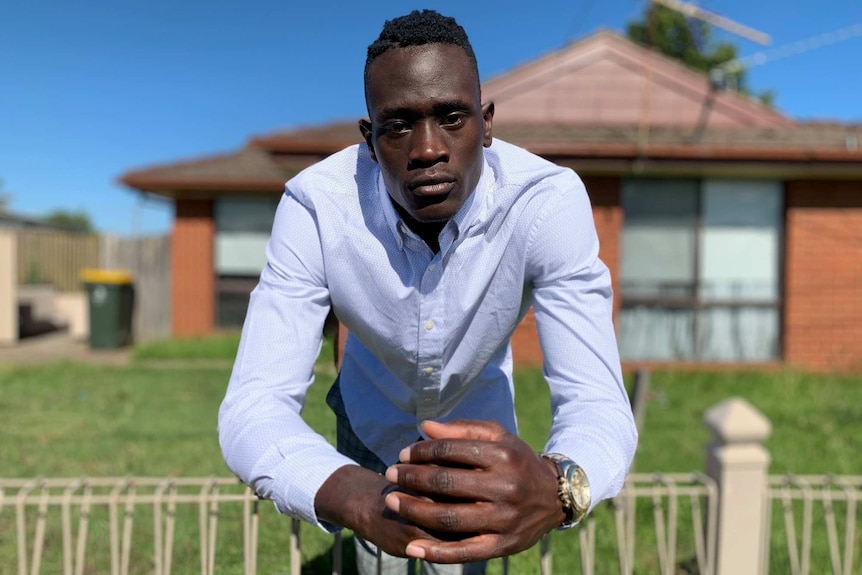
430 242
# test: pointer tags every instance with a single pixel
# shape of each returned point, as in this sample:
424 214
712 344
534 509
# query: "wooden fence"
148 260
57 258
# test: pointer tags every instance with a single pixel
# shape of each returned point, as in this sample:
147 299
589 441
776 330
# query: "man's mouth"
432 187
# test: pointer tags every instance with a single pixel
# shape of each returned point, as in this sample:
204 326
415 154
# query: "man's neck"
429 232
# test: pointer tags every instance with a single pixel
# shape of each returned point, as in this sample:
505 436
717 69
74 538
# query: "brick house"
733 233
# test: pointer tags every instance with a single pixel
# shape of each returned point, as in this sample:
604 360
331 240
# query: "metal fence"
61 525
797 506
660 523
734 520
122 525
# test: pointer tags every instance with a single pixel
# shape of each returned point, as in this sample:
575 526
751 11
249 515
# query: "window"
700 270
243 226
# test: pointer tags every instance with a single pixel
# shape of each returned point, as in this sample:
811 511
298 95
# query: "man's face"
427 128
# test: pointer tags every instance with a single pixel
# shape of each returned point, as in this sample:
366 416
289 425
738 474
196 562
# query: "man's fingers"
478 548
464 429
462 449
463 518
446 482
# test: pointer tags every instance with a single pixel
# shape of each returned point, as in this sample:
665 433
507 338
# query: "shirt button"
431 268
429 370
429 325
428 399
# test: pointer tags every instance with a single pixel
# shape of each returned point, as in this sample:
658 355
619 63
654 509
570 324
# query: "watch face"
580 487
574 489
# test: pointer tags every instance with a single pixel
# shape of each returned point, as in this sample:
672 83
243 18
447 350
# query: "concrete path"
59 346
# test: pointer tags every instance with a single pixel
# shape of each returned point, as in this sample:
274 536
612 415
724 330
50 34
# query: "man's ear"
488 119
365 128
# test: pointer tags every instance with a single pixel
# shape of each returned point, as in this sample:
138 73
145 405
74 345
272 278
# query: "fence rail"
801 501
137 524
659 523
113 507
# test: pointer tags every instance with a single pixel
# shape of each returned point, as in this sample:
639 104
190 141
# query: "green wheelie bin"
110 295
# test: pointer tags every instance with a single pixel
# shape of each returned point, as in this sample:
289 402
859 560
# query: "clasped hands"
472 491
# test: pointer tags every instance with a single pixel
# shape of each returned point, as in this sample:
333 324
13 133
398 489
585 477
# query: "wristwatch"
573 489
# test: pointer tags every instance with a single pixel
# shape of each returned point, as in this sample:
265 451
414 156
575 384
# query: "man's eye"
454 119
397 127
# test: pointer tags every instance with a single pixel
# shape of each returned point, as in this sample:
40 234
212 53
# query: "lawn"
157 417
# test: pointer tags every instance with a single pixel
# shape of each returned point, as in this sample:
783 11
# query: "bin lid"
102 276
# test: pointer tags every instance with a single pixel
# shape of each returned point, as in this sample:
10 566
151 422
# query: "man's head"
427 124
418 29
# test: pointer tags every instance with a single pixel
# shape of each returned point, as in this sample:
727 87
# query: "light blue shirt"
429 333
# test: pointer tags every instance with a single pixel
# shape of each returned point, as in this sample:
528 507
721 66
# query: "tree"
689 40
5 198
75 221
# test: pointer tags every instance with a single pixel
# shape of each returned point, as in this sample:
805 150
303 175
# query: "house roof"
251 169
605 79
602 105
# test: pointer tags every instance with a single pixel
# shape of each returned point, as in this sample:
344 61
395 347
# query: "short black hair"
416 29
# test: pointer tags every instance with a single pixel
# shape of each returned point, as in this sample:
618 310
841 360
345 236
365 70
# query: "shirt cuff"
605 474
296 484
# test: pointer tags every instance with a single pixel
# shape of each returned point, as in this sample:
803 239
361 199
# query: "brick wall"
605 196
823 275
192 271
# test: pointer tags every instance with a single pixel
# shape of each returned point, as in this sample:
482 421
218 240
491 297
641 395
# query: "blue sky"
92 88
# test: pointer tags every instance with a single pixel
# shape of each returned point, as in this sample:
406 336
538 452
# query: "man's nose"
427 144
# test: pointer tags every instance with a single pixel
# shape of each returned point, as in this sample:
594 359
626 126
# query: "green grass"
153 419
221 346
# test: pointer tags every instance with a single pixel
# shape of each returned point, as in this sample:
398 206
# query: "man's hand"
479 490
353 497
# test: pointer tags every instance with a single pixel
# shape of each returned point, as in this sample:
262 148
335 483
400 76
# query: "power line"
787 50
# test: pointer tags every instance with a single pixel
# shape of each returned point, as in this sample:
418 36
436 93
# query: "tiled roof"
823 142
609 80
270 160
717 127
810 140
250 169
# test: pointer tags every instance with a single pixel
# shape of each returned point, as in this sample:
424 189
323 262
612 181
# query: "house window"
700 270
243 226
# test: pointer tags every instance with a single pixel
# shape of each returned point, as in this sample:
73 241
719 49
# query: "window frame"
698 303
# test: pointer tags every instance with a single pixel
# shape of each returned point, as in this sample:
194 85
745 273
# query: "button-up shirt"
429 332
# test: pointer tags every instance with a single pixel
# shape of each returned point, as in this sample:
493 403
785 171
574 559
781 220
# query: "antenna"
716 20
792 49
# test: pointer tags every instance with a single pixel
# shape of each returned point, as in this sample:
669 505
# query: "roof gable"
606 79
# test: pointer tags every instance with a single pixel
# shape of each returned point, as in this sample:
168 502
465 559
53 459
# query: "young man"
430 242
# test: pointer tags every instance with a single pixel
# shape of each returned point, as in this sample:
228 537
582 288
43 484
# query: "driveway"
59 346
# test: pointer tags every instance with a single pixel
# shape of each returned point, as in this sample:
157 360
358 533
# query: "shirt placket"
432 329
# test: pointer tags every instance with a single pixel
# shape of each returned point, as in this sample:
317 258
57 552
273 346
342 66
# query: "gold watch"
573 488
